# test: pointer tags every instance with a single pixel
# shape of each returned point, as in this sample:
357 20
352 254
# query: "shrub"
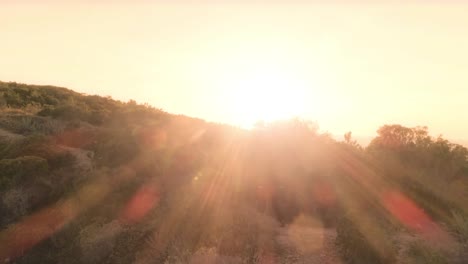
460 224
65 112
98 240
418 253
115 147
355 248
27 124
35 145
14 171
434 204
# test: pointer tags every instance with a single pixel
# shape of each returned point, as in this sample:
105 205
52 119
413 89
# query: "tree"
414 146
348 139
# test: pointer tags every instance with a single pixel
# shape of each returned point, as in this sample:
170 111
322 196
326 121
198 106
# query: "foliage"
115 146
461 226
133 184
414 147
27 125
356 245
350 141
15 171
419 253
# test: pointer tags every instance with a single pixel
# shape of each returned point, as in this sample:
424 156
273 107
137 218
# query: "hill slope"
87 179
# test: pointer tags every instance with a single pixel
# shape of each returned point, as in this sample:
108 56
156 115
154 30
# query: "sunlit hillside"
88 179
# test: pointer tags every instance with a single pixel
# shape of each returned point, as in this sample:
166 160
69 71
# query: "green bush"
14 171
460 224
65 112
418 253
355 248
28 124
39 146
436 206
21 95
114 147
34 145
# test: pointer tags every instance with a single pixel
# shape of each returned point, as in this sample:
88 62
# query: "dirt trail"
304 244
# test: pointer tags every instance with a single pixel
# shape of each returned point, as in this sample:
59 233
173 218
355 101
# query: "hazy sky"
348 67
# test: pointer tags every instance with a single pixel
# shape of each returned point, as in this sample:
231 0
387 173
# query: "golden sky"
350 67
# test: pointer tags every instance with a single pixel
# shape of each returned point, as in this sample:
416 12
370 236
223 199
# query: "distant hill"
88 179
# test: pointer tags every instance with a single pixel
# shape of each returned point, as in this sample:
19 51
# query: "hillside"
88 179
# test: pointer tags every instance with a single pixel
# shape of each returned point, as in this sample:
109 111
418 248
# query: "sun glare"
266 95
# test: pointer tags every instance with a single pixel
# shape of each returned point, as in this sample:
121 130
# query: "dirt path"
303 244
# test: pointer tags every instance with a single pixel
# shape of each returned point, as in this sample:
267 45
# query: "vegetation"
88 179
17 170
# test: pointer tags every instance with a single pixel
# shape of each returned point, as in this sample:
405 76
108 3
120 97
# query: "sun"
262 81
265 94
